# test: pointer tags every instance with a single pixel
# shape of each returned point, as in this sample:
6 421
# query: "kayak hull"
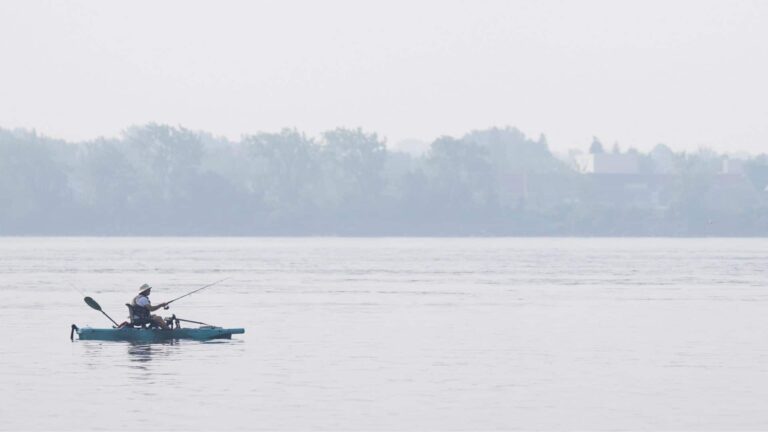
156 335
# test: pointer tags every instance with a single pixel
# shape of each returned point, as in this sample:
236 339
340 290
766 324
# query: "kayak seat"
139 317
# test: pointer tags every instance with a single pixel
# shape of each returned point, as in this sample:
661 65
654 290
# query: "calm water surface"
404 334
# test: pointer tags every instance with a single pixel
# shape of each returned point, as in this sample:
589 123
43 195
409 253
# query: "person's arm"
156 307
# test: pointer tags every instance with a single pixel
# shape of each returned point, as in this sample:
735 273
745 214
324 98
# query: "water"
392 334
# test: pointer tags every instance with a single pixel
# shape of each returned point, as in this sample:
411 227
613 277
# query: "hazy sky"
686 73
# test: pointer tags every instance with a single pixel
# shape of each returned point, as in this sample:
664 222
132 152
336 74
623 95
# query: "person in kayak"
143 307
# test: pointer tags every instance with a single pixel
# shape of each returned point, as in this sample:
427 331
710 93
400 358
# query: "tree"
283 173
167 161
757 173
510 151
34 188
461 173
596 147
107 185
352 167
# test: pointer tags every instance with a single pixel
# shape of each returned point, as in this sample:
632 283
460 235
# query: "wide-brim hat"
144 288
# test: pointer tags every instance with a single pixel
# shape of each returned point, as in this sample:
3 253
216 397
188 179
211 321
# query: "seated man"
143 306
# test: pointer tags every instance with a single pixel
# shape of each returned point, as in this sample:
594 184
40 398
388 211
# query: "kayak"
155 335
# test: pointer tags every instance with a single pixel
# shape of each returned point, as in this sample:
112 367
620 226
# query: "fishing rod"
192 292
193 322
75 288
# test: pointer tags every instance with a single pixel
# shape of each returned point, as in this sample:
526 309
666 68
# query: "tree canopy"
159 179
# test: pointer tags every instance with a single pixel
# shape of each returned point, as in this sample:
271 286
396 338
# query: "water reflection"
140 353
145 352
148 363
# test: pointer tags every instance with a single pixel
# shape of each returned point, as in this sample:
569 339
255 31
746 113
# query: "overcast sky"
686 73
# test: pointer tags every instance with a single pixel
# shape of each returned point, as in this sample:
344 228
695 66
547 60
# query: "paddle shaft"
96 306
110 318
192 292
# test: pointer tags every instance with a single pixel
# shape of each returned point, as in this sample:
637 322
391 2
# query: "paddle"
192 292
92 303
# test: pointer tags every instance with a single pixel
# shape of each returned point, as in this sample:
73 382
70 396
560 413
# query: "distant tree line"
163 180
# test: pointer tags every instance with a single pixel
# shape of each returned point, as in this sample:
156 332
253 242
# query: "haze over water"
392 333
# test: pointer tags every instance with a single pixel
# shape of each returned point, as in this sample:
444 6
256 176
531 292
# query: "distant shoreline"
330 236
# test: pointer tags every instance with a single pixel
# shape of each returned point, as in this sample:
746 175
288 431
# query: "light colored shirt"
143 301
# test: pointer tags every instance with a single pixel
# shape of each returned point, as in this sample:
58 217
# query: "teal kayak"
155 335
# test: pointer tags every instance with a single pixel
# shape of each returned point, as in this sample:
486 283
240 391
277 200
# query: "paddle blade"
92 303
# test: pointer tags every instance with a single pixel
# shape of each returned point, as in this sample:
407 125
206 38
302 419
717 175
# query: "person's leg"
160 322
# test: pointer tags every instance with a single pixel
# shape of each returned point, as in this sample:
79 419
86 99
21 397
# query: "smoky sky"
685 73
